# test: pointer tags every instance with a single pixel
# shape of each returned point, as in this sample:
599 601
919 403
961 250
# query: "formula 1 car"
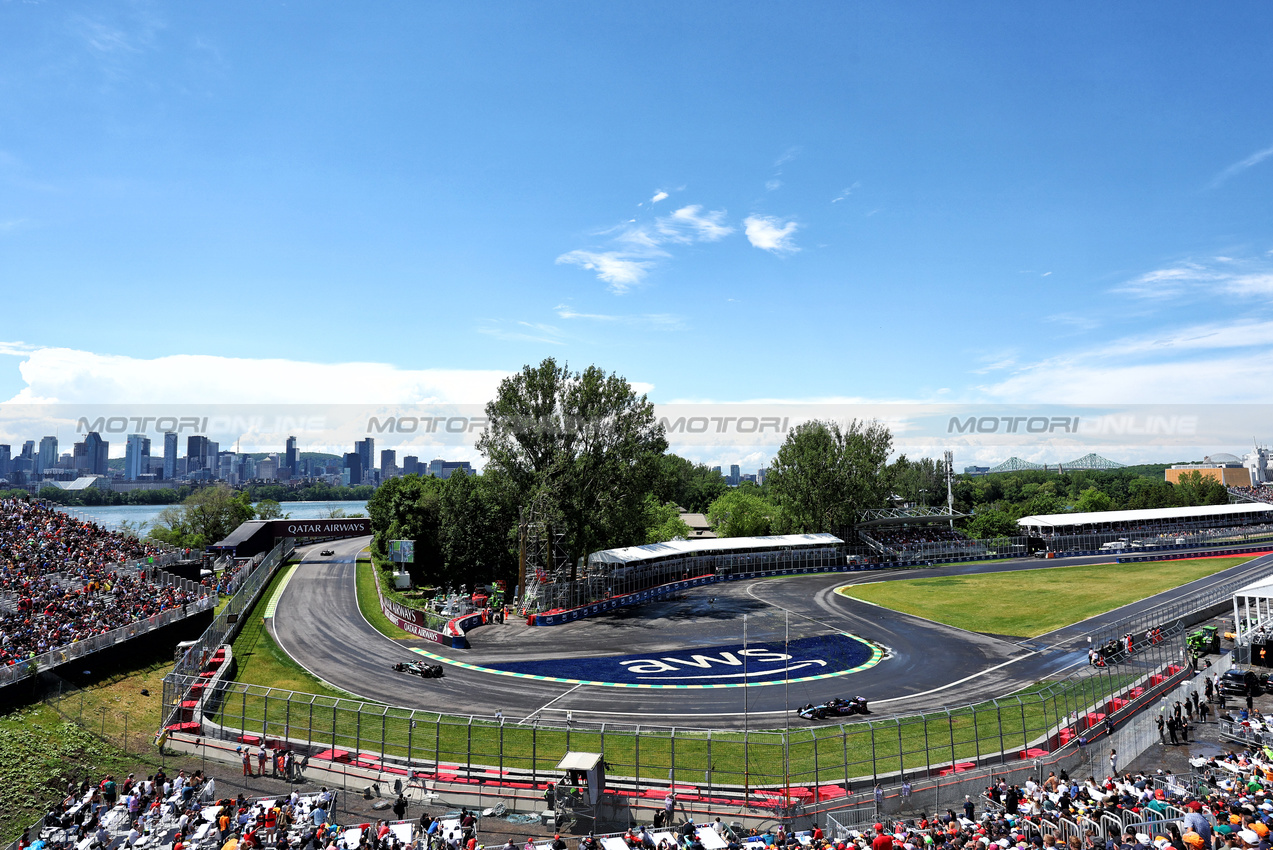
419 668
834 708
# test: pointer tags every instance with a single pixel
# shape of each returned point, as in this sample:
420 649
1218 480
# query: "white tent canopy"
717 546
1253 603
1245 512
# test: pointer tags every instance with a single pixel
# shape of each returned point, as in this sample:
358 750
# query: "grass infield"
1034 602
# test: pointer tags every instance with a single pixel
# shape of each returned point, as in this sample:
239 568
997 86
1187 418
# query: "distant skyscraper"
170 455
735 475
96 454
366 452
410 465
290 458
136 456
761 474
214 451
47 457
353 463
28 450
5 459
196 453
388 462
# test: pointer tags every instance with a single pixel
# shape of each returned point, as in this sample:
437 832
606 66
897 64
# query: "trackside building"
1152 522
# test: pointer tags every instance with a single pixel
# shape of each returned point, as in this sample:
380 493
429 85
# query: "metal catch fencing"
1010 731
250 582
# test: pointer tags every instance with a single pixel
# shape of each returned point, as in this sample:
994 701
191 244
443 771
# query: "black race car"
326 552
419 668
834 708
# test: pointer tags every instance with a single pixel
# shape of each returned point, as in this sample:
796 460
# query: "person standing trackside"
1113 762
1162 729
262 756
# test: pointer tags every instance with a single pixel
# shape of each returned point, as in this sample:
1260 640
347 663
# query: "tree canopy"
583 442
825 476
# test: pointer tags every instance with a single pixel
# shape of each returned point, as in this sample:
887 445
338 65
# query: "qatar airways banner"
1051 434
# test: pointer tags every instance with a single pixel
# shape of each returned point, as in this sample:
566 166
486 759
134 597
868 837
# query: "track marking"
550 702
272 605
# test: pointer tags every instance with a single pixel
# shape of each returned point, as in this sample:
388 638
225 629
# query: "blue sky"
918 202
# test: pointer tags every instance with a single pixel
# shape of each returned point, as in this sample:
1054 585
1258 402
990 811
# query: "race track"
925 666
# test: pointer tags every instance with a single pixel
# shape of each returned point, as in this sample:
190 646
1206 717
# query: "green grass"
1034 602
369 604
258 658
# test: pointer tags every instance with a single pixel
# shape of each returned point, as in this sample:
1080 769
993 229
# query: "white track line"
550 702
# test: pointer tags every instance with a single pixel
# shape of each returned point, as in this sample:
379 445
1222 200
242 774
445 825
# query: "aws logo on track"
751 664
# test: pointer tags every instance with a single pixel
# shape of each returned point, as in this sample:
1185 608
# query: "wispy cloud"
1240 166
658 196
773 185
845 192
637 246
657 321
523 332
1184 362
1219 275
771 234
622 271
15 348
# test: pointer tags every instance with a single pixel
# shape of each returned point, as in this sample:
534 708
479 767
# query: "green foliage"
1031 492
474 530
743 512
582 444
94 497
992 523
693 486
918 482
269 509
206 517
410 508
663 522
825 476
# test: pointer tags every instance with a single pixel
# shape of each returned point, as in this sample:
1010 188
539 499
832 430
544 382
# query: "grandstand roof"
1147 515
81 483
720 545
904 516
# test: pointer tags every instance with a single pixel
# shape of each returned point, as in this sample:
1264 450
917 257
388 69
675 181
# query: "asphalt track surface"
927 665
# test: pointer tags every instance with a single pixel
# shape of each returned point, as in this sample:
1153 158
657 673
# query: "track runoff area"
742 654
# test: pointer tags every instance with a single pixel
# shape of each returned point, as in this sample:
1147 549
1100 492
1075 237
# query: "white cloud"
621 271
641 245
691 224
773 185
1240 166
845 192
658 196
1223 275
659 321
1207 363
771 234
70 376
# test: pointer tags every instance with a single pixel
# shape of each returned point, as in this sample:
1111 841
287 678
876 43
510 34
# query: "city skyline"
984 204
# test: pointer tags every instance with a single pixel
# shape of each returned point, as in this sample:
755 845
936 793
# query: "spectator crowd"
63 580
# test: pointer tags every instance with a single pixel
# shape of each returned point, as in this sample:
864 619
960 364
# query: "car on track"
834 708
419 668
326 552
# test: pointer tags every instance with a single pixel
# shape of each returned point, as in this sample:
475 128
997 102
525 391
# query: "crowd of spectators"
1257 494
63 580
904 539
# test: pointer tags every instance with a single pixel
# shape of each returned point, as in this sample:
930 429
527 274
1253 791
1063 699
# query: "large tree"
743 512
205 518
825 476
410 508
473 530
582 442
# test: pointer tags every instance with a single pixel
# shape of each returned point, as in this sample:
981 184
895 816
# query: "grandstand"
1262 493
918 534
613 573
67 582
1150 527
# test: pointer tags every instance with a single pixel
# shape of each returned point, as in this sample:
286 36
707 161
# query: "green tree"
410 508
585 442
269 509
683 482
206 517
473 530
825 476
919 482
663 522
1194 489
992 523
1091 500
743 512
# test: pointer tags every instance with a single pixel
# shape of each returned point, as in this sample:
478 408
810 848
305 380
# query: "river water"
114 516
